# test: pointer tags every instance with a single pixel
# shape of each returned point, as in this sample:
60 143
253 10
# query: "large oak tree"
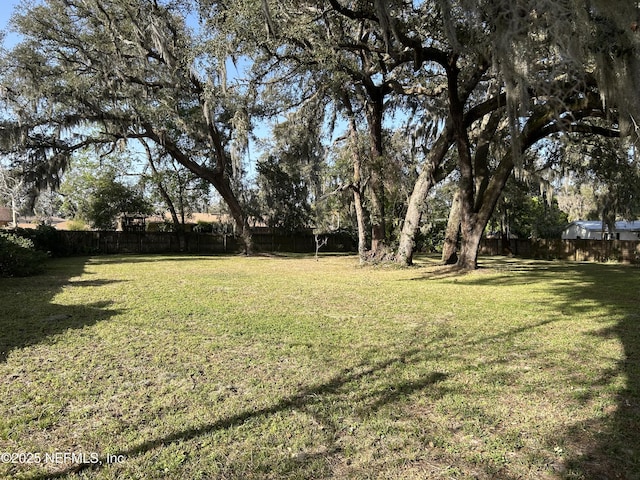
100 72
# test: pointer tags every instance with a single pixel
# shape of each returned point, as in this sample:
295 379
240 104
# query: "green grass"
284 367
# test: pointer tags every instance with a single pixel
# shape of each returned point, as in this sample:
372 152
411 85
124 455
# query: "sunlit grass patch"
284 367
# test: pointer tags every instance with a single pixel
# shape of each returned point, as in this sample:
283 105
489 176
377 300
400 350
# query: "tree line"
377 106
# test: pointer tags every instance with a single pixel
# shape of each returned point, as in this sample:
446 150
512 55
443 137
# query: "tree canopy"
99 73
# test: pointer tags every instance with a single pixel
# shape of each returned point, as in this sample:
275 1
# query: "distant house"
128 222
6 217
593 230
203 222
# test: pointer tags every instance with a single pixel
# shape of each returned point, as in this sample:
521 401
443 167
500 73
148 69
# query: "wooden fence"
575 250
108 242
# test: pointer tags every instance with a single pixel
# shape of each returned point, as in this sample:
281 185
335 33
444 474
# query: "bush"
45 239
18 257
203 227
77 225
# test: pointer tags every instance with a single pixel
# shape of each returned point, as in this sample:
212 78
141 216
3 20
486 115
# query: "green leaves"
111 199
18 257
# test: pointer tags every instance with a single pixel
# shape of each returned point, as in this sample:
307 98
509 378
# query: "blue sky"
6 10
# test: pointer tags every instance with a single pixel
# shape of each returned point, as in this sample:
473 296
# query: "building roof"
194 217
596 225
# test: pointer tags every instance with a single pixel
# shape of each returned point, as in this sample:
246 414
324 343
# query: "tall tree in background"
97 191
290 173
310 48
111 198
174 188
608 171
12 189
524 212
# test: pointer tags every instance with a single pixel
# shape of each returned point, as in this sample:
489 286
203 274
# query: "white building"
593 230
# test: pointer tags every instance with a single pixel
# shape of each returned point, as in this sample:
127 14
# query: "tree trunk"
178 227
376 186
481 182
14 211
242 223
415 208
475 220
218 178
407 243
429 176
357 197
362 235
455 127
467 259
452 233
356 186
469 247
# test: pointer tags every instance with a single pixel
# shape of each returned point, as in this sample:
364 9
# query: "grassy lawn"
283 367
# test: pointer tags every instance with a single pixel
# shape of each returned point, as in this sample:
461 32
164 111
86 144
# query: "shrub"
203 227
77 225
18 257
45 239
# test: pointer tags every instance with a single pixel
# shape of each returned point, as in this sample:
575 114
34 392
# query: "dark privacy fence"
575 250
62 242
107 242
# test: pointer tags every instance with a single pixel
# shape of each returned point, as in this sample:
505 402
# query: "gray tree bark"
450 246
431 174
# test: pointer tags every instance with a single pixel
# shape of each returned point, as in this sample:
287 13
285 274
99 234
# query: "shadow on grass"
611 449
307 400
343 388
606 446
29 316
